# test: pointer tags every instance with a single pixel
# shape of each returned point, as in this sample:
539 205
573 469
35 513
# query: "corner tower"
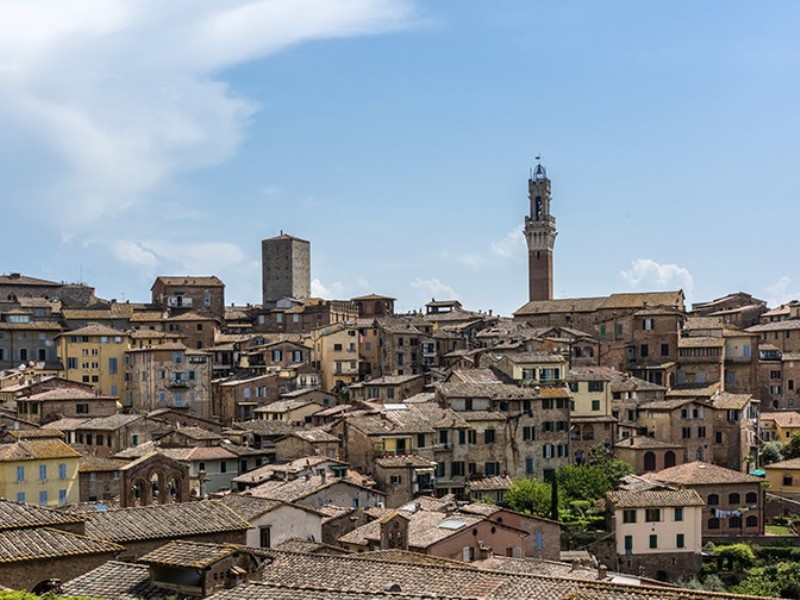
540 233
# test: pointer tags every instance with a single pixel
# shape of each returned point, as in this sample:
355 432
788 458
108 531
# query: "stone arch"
669 459
154 479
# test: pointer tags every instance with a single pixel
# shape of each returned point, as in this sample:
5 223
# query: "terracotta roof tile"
655 498
46 543
164 521
701 473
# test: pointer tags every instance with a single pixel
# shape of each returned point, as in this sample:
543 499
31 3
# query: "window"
701 432
472 436
529 470
713 523
654 541
21 497
628 544
664 349
395 479
62 497
652 515
680 541
491 468
596 386
717 437
443 436
629 516
488 436
648 324
595 405
679 514
112 365
713 500
686 432
462 437
43 498
548 450
72 362
439 469
62 471
751 521
457 468
20 473
734 498
528 433
264 536
420 440
573 386
43 472
539 541
644 350
751 498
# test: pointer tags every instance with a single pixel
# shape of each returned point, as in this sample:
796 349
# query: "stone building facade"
286 269
540 234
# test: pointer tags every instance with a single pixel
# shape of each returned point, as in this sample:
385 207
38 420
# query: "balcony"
178 383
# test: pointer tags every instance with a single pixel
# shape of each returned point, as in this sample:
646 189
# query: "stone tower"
540 233
285 268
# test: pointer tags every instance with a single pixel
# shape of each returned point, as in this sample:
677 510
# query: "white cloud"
133 253
432 288
332 292
781 292
206 258
647 273
508 248
122 95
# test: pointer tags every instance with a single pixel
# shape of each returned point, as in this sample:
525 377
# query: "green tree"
613 468
781 580
792 448
771 452
529 496
737 556
582 483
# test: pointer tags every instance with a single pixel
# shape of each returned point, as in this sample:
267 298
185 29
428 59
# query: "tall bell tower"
540 233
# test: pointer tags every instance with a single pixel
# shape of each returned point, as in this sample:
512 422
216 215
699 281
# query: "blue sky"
144 138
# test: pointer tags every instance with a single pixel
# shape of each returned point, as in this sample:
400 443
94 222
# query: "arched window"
649 461
751 498
669 459
734 498
735 522
751 521
713 500
713 523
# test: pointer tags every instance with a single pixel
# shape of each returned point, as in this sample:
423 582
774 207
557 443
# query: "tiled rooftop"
701 473
655 498
188 554
164 521
36 449
47 543
14 515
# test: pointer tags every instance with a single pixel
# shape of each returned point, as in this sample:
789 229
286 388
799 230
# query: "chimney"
484 551
602 572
